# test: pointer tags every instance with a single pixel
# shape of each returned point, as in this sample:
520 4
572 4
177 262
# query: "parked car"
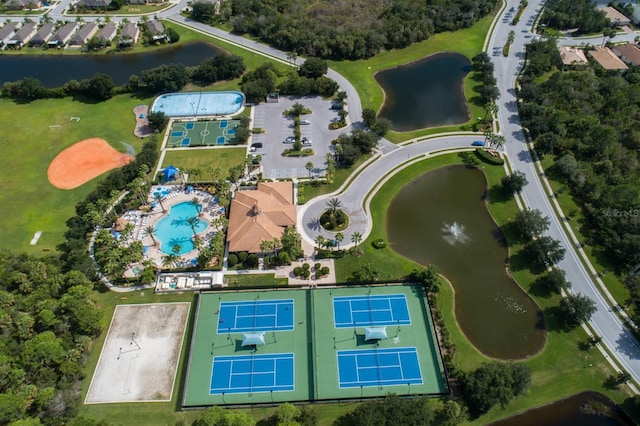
306 142
305 121
477 143
256 145
289 139
336 106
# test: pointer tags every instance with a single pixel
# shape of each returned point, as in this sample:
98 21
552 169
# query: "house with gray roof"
23 35
130 34
156 29
94 4
23 4
43 35
6 32
63 35
108 32
82 36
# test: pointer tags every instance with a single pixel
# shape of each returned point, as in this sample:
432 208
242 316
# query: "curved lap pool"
174 229
193 104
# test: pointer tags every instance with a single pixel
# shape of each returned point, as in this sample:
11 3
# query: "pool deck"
177 195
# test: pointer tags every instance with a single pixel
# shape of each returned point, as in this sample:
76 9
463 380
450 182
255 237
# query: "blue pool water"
173 229
193 104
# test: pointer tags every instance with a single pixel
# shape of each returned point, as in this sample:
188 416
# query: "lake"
440 218
426 93
56 70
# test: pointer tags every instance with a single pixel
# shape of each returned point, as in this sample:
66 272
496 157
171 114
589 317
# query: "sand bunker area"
84 161
140 355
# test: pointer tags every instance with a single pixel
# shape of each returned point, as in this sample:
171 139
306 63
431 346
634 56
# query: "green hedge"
484 155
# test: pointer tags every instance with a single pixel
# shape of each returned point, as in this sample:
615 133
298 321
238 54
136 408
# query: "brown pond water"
440 218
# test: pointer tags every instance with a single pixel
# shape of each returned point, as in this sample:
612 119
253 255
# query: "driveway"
278 127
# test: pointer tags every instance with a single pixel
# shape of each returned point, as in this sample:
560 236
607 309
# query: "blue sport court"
371 310
189 126
223 124
255 315
378 367
220 140
252 373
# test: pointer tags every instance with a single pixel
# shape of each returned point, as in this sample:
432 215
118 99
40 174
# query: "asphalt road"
615 336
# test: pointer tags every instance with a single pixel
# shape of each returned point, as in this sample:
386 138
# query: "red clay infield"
84 161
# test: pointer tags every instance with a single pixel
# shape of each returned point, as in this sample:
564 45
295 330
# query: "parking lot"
278 127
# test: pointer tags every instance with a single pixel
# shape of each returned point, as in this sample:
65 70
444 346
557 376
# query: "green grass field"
203 159
29 201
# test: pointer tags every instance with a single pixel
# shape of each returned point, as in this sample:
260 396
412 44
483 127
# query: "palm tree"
356 238
320 242
192 222
334 205
499 140
150 231
195 202
159 197
198 243
266 246
276 245
170 260
309 167
339 238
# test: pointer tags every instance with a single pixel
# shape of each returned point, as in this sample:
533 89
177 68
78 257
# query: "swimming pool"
193 104
174 229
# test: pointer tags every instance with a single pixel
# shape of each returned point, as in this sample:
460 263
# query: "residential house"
156 29
6 32
94 4
260 215
572 55
108 32
43 35
82 36
63 35
23 4
617 19
23 35
130 34
629 53
607 59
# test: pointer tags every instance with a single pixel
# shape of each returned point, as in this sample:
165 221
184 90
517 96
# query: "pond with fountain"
440 218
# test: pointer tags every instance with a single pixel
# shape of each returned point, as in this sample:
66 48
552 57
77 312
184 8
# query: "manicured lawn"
30 203
562 368
202 159
361 73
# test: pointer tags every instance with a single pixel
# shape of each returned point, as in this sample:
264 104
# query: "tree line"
586 121
569 14
48 318
344 30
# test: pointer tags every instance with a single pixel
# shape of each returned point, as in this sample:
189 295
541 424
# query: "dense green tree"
158 121
99 87
218 416
381 126
203 11
166 77
173 35
313 68
514 182
581 14
555 281
530 224
576 309
429 277
369 117
494 383
544 251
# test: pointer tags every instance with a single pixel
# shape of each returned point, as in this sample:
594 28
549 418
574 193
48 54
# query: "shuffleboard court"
255 315
371 310
252 373
378 367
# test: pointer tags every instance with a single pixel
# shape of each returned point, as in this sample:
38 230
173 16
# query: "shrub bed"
486 156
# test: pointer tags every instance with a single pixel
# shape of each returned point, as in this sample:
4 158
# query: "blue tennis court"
252 373
186 142
370 310
189 126
255 315
378 367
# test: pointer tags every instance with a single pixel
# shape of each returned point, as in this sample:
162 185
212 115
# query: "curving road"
615 336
